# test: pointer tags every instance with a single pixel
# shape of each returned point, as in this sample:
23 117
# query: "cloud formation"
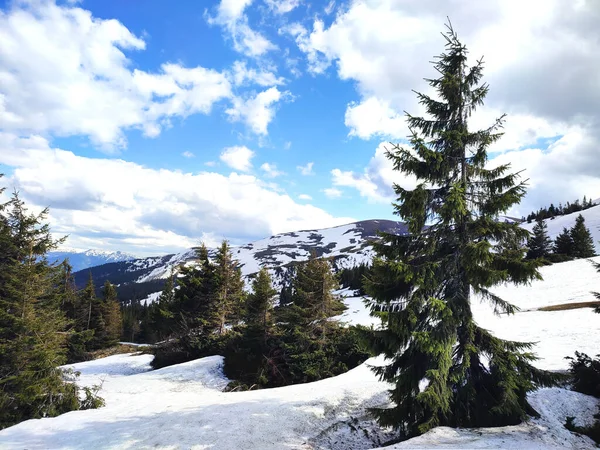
145 210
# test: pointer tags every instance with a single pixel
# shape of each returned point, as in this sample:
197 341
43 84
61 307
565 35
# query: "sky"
148 127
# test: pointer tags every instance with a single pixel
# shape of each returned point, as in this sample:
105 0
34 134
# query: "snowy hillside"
183 406
83 259
556 225
347 245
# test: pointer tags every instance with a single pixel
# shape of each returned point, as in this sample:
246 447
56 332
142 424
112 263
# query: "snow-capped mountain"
347 245
83 259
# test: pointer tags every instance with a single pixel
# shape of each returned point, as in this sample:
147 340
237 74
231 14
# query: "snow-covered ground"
183 406
556 225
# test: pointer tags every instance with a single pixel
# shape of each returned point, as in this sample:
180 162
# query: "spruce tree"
161 311
230 288
32 324
583 244
539 244
111 311
259 304
445 369
313 299
196 301
563 244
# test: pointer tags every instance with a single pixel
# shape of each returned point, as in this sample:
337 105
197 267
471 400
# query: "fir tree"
446 370
161 311
563 244
91 315
313 300
583 244
32 324
259 304
196 301
111 311
230 287
539 244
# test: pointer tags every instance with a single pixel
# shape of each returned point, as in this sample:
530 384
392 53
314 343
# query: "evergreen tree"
259 304
32 324
583 244
539 244
111 311
161 311
313 300
563 244
91 315
230 287
445 369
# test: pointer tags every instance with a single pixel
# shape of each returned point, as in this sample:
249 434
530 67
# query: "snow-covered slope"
83 259
183 406
347 245
556 225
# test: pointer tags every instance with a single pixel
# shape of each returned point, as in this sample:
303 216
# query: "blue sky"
147 127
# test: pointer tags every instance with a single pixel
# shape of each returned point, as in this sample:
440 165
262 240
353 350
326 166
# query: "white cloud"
257 112
270 170
374 117
304 197
210 163
187 154
230 15
282 6
385 48
242 75
307 169
232 10
144 210
238 158
65 72
330 7
287 145
376 181
332 193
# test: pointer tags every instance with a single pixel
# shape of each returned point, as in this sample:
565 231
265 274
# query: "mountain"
83 259
348 246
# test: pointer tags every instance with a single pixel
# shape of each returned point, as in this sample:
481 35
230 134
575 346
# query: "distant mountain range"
347 245
83 259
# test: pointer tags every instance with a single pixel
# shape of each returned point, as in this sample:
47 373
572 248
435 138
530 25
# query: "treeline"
576 242
560 210
37 325
204 310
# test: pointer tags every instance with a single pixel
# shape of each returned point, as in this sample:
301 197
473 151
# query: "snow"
556 225
547 432
557 334
151 298
184 406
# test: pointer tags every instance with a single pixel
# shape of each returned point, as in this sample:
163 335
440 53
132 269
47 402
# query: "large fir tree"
583 244
539 244
32 324
445 369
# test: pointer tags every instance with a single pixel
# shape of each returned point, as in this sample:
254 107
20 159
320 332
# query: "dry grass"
116 350
566 306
